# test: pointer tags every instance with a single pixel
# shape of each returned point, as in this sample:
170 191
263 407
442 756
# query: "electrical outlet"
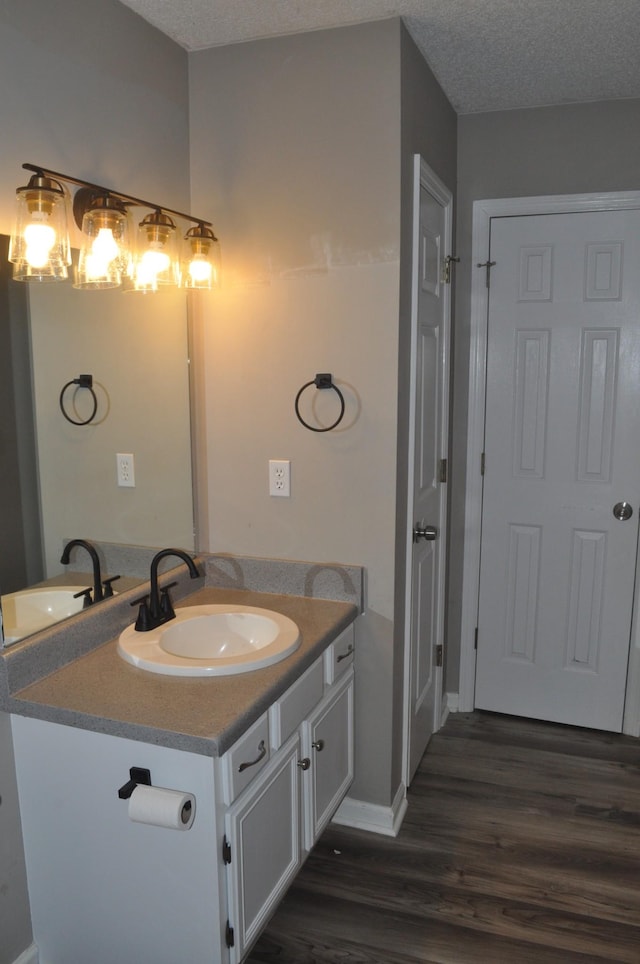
126 472
280 477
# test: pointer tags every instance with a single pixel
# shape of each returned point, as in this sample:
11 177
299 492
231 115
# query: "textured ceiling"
486 54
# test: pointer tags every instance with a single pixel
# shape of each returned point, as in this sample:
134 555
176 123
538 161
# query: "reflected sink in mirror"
31 610
212 640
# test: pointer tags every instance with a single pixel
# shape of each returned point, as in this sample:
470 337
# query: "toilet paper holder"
137 775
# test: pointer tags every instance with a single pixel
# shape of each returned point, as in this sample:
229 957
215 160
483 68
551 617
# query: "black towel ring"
321 381
82 381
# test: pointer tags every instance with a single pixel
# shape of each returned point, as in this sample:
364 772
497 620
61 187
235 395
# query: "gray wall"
304 142
580 148
298 141
91 90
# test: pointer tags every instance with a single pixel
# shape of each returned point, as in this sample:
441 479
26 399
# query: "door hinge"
482 463
226 850
446 268
487 265
442 471
475 639
228 934
439 655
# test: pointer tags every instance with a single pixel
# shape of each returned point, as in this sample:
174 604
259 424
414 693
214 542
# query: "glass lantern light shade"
104 255
39 248
202 259
156 263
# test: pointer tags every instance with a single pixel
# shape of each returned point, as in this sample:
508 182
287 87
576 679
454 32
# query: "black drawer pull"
262 752
344 655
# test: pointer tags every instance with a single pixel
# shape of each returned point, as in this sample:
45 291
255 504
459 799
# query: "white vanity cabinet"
105 888
273 823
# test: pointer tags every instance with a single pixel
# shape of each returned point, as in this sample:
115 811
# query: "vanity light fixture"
40 248
156 261
202 260
104 255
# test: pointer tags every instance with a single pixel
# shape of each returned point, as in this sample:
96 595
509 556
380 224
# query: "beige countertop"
100 691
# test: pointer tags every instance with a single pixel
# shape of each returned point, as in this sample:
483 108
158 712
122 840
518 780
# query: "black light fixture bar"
127 198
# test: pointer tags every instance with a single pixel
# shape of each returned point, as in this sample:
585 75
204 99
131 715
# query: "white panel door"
429 492
562 449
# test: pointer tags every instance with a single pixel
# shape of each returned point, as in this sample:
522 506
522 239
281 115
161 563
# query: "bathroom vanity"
267 755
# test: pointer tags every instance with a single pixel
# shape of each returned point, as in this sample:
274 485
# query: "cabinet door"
263 830
328 741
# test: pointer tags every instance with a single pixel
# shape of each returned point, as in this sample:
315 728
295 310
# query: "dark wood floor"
521 844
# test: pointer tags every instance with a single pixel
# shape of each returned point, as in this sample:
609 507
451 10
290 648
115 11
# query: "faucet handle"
143 622
166 607
87 601
108 588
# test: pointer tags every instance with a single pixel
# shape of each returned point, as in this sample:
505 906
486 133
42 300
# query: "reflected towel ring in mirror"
82 381
321 381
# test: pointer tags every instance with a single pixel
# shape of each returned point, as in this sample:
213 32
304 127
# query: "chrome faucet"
97 579
155 608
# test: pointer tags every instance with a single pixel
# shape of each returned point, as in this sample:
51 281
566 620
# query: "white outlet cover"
280 477
125 470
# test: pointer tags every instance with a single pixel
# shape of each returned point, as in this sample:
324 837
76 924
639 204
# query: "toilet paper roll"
159 807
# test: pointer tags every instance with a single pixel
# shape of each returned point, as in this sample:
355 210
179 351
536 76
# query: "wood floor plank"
475 874
521 844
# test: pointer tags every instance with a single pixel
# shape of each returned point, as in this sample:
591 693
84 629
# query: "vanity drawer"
246 758
339 656
296 704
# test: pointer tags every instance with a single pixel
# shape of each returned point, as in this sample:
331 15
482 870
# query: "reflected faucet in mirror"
156 608
100 592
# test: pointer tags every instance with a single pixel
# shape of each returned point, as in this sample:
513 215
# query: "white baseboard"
371 816
30 956
452 702
444 713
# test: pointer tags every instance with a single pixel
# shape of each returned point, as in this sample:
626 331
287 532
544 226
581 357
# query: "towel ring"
82 381
321 381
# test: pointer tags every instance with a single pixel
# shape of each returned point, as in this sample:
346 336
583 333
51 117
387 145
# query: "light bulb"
95 267
154 262
105 247
200 270
39 239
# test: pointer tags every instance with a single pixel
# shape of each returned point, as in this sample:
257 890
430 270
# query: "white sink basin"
213 640
30 610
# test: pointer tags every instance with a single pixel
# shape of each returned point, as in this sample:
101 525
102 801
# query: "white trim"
452 701
631 721
30 956
423 176
370 816
483 212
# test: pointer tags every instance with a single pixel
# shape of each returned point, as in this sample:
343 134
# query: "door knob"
424 532
622 511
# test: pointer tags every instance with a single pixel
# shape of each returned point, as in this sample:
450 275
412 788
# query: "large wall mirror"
59 479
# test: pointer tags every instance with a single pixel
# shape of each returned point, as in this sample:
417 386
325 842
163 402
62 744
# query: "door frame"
483 212
424 176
